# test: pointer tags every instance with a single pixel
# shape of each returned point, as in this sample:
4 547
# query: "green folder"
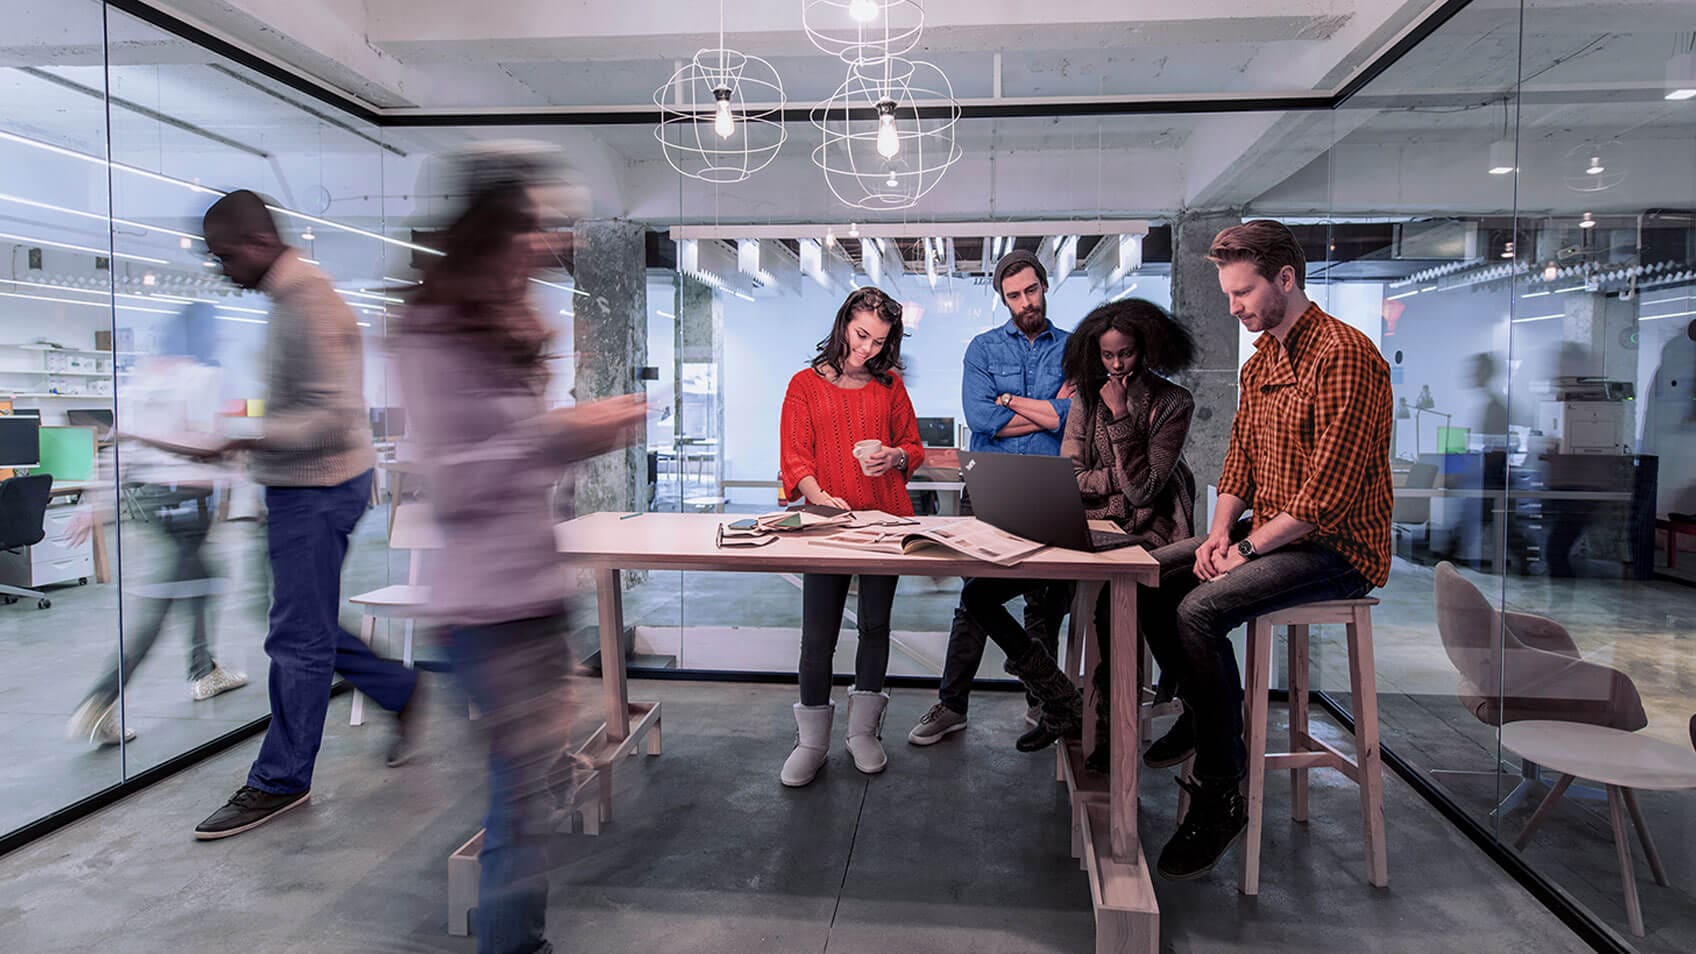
68 453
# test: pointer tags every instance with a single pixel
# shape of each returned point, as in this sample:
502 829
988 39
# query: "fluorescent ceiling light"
570 288
1534 294
664 314
1502 158
1126 293
1408 294
1519 321
1681 77
1676 314
1562 291
98 217
372 296
91 304
102 252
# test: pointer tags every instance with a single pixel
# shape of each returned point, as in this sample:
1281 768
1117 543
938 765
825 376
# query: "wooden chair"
413 530
1306 752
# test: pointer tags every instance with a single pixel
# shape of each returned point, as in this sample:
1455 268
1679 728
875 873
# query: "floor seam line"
859 817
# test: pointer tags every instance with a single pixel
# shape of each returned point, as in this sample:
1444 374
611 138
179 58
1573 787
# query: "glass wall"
1506 212
115 328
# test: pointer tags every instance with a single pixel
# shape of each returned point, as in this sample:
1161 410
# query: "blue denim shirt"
1003 361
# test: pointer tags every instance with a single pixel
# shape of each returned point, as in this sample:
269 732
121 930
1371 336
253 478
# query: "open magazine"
814 517
967 536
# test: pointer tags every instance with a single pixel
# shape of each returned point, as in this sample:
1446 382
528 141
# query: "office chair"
23 516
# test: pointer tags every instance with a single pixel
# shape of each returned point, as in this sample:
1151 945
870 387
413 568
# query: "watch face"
1246 549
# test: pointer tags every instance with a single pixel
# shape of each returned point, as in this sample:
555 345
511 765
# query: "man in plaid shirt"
1310 453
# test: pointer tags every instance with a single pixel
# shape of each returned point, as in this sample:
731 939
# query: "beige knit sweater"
316 430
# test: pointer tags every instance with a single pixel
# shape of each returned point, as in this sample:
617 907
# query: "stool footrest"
1312 760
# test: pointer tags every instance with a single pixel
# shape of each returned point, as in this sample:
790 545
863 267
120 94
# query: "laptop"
1035 497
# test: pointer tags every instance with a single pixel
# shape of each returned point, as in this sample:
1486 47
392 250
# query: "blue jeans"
306 534
518 675
1188 623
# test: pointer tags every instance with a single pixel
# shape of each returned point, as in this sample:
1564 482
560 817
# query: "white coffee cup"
864 450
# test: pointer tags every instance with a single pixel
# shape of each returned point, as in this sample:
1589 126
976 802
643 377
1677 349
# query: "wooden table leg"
1543 809
1363 682
1655 867
1126 698
609 596
102 559
1622 844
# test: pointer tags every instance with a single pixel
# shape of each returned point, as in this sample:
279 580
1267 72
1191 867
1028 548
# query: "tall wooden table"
1104 828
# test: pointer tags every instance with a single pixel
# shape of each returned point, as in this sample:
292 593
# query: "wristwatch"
1246 549
1005 400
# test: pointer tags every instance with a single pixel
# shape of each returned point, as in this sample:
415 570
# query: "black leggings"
822 600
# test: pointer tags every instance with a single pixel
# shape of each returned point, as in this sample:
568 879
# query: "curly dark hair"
833 350
1163 346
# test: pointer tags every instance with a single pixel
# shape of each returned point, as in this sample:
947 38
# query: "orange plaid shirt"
1312 439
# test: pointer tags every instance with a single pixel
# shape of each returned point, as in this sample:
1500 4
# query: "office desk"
1499 499
1119 878
97 539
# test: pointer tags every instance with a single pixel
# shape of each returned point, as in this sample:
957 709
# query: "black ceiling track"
1315 102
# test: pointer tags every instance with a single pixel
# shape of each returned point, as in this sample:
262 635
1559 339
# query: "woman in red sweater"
850 393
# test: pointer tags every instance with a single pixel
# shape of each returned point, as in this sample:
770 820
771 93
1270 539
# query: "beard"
1031 319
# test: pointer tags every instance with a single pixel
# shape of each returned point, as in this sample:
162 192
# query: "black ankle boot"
1062 703
1174 747
1215 821
1100 758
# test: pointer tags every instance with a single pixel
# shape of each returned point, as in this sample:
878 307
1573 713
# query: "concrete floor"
961 847
748 621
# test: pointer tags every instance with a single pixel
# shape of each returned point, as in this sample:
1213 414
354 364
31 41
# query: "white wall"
767 341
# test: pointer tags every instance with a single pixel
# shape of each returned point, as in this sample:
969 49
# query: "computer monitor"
99 418
20 441
1452 440
936 431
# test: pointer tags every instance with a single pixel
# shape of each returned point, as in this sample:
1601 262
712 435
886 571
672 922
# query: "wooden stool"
1306 752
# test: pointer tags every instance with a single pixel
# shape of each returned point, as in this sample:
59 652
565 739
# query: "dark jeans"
822 598
982 615
307 531
518 675
184 518
1188 623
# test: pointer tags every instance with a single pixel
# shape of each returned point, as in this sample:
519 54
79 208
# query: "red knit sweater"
822 423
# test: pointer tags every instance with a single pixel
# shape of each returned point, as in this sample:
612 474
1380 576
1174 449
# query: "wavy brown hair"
1163 346
468 299
833 350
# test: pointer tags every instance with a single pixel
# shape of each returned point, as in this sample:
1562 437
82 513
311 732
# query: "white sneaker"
96 724
936 724
216 681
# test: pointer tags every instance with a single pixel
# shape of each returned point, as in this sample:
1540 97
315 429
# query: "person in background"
1310 453
315 459
849 393
1016 401
170 405
1126 437
472 356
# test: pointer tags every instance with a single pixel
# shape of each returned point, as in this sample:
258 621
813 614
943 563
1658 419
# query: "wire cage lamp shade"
888 133
721 116
863 30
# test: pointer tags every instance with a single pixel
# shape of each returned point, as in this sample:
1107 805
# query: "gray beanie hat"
1014 261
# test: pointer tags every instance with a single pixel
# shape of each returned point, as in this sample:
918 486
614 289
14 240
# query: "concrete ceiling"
1414 140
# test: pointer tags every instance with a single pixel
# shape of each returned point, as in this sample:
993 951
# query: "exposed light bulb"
1588 222
892 182
724 121
888 140
1596 167
1551 272
306 234
1508 251
853 230
185 242
829 238
864 11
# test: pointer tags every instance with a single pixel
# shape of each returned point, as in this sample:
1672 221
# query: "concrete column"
610 336
700 340
1198 303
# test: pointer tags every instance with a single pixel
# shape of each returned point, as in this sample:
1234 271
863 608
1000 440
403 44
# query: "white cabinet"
53 560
